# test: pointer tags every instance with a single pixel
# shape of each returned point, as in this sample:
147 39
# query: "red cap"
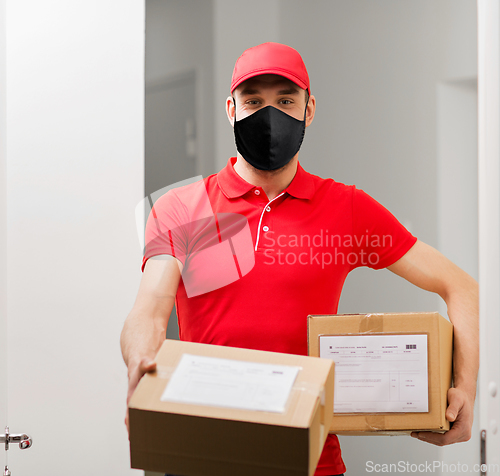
271 58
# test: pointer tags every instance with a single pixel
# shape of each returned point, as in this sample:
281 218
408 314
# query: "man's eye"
252 102
285 101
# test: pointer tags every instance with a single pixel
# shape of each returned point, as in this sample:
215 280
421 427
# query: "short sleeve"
378 237
165 231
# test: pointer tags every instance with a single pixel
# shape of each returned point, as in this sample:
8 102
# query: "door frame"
489 226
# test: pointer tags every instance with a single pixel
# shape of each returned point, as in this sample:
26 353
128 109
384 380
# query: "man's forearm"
463 310
145 328
142 336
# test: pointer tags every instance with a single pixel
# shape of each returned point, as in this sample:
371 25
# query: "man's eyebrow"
284 92
248 91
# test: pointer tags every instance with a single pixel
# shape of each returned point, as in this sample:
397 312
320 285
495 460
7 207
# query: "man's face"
270 90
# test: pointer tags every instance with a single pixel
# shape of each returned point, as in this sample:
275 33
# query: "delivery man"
307 233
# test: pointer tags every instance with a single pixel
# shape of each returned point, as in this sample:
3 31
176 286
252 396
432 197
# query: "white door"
71 174
3 233
489 229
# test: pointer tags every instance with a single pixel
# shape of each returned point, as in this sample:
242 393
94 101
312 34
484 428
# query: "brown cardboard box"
439 332
202 440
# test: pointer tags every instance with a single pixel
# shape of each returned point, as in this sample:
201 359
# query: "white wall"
180 39
75 118
457 173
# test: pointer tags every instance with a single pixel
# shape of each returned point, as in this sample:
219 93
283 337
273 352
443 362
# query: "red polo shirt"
300 248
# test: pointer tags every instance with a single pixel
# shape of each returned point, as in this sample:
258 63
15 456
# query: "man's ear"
311 110
230 110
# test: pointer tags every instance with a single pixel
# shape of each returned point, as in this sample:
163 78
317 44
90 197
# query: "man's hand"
460 413
136 372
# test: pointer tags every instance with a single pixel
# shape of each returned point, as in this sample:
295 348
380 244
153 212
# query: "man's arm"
146 326
428 269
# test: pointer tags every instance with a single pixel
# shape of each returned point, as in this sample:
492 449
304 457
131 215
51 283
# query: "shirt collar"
233 186
302 185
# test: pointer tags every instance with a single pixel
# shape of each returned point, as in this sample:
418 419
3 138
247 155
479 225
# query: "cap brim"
258 72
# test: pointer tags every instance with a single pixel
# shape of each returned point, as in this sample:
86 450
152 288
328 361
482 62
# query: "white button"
265 228
257 192
268 209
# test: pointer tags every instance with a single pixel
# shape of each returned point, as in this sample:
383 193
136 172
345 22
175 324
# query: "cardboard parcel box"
392 371
218 411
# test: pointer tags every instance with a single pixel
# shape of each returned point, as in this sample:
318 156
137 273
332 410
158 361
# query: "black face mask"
269 138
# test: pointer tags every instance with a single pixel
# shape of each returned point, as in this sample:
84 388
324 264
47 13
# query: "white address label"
231 383
378 373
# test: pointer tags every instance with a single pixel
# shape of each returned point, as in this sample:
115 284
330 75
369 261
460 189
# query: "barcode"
411 346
